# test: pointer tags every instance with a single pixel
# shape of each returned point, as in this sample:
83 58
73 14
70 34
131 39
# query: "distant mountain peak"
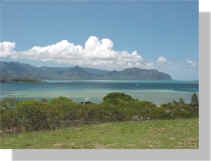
132 69
77 68
139 69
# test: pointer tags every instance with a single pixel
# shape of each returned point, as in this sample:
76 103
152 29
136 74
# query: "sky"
111 35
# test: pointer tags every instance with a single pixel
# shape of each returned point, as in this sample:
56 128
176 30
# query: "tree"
174 102
194 100
117 97
181 101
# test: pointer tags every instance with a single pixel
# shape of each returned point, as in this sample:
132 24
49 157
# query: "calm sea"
93 90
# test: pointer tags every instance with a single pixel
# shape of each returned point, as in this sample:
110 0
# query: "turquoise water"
94 90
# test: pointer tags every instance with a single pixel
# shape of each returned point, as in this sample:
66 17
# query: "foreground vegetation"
33 115
148 134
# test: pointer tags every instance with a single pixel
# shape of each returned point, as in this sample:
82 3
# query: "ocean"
158 92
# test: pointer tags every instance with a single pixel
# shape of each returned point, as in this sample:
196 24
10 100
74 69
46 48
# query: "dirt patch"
99 146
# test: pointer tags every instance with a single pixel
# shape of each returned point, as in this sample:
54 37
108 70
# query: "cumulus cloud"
6 49
161 59
95 53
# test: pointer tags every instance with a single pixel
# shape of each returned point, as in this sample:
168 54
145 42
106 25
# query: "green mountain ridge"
16 71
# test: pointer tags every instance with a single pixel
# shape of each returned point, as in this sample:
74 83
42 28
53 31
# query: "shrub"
65 108
32 115
179 109
8 119
116 98
90 112
36 115
8 103
144 109
183 110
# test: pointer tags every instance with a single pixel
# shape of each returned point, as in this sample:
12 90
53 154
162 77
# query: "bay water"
94 90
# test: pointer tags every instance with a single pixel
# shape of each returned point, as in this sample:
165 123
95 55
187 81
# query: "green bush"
8 119
65 108
179 109
8 103
144 109
32 115
117 97
61 111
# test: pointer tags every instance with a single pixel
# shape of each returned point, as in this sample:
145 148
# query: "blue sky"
153 28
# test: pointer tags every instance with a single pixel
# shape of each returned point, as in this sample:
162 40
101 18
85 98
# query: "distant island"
18 80
13 71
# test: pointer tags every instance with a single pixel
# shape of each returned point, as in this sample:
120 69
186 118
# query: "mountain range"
15 71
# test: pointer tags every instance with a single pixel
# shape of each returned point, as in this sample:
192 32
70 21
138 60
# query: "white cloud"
6 49
161 59
95 53
190 62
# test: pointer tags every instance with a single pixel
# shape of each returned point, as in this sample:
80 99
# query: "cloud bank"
95 53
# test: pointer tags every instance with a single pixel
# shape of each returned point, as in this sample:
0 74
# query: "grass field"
167 134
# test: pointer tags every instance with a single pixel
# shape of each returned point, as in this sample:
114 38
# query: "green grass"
165 134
